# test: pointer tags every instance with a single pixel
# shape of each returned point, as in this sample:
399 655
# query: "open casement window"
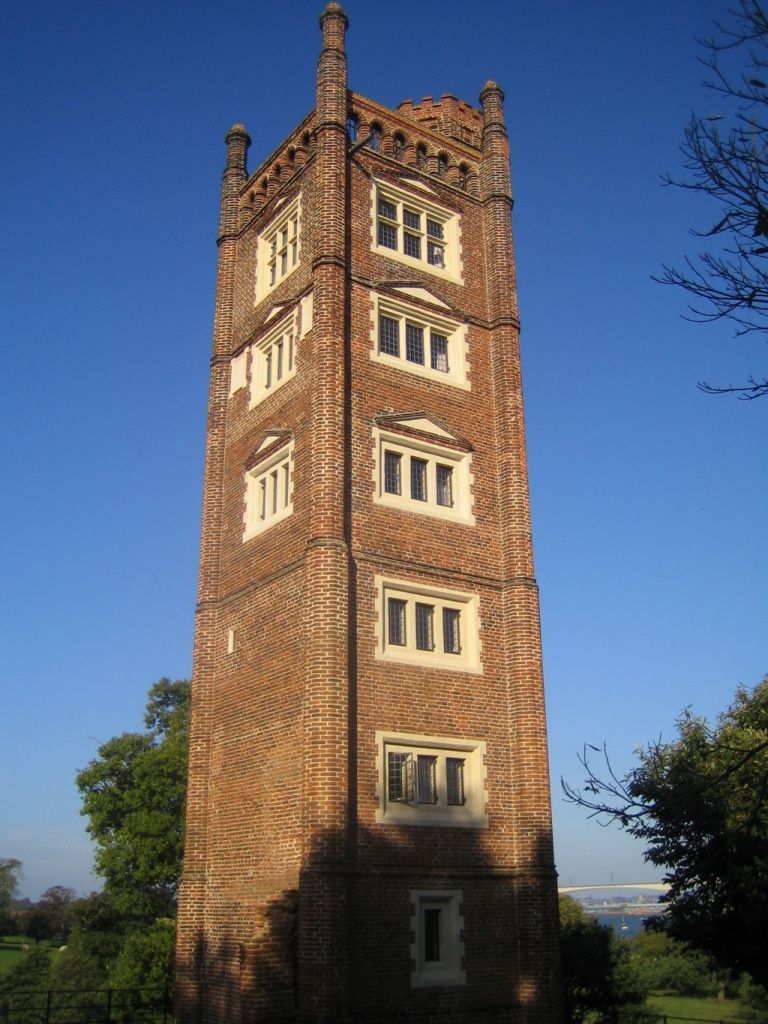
430 780
268 484
418 341
426 626
413 228
437 947
273 359
420 466
278 249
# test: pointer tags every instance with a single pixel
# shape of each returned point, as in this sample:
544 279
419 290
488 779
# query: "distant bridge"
652 886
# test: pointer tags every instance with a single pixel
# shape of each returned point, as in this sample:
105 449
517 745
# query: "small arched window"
398 150
421 157
442 165
463 177
375 136
352 127
291 155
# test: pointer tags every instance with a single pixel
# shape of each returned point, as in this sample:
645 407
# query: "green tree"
27 978
133 796
146 959
599 976
670 966
753 999
10 873
699 802
49 918
726 159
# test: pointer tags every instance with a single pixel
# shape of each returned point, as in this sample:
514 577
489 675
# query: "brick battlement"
453 118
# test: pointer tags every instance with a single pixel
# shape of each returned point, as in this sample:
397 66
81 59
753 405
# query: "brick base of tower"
368 821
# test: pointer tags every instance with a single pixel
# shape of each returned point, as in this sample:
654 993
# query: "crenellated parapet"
278 170
415 136
449 116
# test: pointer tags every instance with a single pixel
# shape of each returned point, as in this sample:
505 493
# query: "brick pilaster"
322 908
191 916
536 904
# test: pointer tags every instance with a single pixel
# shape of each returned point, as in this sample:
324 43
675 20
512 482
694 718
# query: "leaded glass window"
388 235
387 209
425 632
396 621
400 781
418 479
414 343
451 637
389 336
392 484
454 776
412 245
426 781
444 485
438 347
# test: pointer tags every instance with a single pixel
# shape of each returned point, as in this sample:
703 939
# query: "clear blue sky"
648 497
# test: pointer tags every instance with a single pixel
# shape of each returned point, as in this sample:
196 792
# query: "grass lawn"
11 947
689 1006
10 950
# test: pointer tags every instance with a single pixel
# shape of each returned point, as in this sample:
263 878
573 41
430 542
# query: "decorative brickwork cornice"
504 321
467 577
328 542
328 261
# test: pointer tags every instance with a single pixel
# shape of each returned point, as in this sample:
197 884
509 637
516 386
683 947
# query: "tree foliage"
599 976
49 918
133 796
700 804
670 966
10 873
726 160
29 973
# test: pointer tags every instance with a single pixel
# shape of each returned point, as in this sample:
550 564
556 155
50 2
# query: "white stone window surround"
278 247
411 593
273 358
248 363
437 947
470 814
268 487
434 453
429 208
430 322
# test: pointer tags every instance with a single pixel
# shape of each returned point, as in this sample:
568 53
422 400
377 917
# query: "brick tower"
368 823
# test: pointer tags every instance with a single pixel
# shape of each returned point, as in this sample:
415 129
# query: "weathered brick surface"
295 902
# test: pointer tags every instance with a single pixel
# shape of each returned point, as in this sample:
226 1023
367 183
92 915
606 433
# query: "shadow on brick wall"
340 949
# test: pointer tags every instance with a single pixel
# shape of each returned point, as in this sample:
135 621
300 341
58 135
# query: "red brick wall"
295 901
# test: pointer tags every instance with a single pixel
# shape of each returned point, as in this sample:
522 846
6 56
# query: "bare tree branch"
726 159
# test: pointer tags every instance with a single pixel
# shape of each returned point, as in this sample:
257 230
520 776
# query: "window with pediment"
422 341
419 466
278 248
268 484
415 229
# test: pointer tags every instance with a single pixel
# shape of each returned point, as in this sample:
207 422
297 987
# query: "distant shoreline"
645 910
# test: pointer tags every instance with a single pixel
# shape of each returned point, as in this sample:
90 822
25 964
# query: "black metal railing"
88 1006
